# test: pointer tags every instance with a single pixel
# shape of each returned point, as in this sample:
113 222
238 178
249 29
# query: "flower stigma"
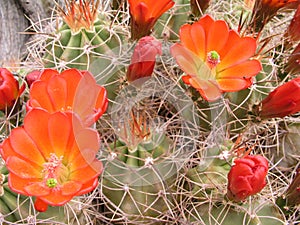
213 59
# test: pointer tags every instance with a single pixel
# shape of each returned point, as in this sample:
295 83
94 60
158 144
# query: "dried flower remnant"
52 157
9 89
143 59
144 14
293 63
80 14
199 6
293 31
71 90
293 192
264 10
247 177
214 58
283 101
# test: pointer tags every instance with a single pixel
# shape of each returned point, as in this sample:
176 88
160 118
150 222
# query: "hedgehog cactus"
138 176
84 35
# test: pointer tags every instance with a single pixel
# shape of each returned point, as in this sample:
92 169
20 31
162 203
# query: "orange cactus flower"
72 90
215 59
283 101
52 157
9 89
143 59
144 14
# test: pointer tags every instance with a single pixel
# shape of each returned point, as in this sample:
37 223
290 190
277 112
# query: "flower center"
213 59
54 171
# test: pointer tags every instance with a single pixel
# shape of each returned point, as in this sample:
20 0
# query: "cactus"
168 25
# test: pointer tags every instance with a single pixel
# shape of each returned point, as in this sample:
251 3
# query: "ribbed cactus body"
256 213
136 187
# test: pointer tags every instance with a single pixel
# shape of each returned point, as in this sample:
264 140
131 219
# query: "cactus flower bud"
283 101
9 89
247 177
144 14
143 58
32 76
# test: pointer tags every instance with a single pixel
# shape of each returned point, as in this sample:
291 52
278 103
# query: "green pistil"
214 55
213 59
51 182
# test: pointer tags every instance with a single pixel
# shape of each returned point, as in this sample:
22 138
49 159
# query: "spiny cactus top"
214 58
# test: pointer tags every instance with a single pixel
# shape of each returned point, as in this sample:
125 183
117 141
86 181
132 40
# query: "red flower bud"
247 177
9 89
143 58
283 101
32 76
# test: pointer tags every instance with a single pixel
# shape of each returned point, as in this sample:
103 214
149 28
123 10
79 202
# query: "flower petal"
88 186
56 89
59 130
186 59
241 51
87 173
23 168
55 198
37 130
234 84
18 184
25 146
39 96
37 189
217 36
70 188
245 69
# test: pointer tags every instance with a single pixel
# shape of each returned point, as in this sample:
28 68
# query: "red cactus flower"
72 90
265 10
293 31
52 157
283 101
215 59
144 14
143 58
247 177
9 89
